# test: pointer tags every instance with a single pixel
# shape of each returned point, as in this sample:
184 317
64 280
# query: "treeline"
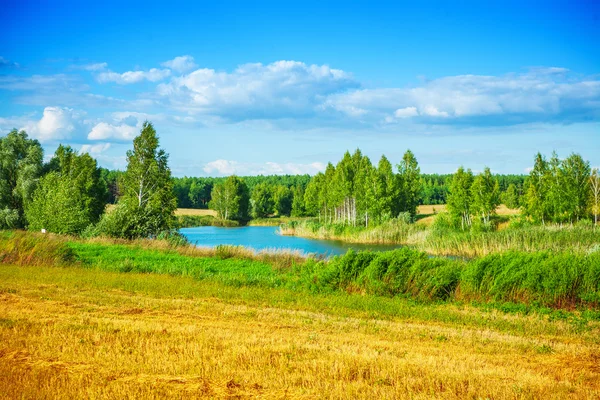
196 192
435 188
64 195
562 191
69 193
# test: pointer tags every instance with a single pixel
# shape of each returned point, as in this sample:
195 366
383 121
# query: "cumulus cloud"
94 149
56 124
106 131
180 64
226 167
256 91
539 95
152 75
406 112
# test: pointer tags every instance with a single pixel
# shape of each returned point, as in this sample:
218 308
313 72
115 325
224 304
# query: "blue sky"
242 88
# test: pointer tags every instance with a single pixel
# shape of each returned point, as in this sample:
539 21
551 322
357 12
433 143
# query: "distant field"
180 211
195 211
427 212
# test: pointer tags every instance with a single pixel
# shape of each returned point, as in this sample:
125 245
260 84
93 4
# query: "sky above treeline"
275 88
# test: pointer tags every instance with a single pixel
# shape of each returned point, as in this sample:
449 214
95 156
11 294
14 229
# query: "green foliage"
485 196
282 199
510 198
231 199
410 183
540 279
147 203
70 197
20 169
559 190
262 201
459 197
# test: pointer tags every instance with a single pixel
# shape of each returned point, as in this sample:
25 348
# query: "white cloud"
406 112
94 149
433 112
226 167
256 91
538 95
93 67
105 131
180 64
152 75
56 124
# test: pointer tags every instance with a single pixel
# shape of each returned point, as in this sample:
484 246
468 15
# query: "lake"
266 237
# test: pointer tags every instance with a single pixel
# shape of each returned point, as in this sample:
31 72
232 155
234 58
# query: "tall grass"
442 238
562 280
390 232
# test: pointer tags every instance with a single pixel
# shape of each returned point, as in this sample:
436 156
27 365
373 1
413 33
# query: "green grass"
442 238
543 279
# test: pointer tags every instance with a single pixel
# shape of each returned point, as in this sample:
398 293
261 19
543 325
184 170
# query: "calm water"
266 237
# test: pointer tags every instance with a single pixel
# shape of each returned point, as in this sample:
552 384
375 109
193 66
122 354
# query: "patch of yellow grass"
71 338
195 211
179 211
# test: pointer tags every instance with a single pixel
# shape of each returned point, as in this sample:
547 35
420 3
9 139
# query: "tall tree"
485 195
595 194
557 198
576 182
282 199
147 203
262 200
231 199
20 169
536 197
510 198
298 209
410 183
386 191
459 197
71 196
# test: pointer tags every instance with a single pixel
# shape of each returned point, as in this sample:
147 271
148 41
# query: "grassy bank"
559 280
438 239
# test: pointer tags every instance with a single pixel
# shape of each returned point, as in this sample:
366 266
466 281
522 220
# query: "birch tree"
147 204
595 194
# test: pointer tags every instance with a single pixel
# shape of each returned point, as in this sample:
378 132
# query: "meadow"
113 318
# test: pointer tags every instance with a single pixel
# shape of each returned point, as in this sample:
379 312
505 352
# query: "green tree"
312 195
536 197
409 183
282 198
147 203
262 200
298 209
557 197
386 190
459 196
71 196
510 198
197 193
595 194
20 169
485 196
231 199
576 182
